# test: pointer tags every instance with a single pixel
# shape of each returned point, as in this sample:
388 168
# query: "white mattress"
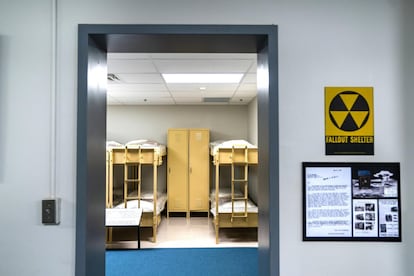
113 144
147 195
147 205
224 193
225 206
160 149
220 144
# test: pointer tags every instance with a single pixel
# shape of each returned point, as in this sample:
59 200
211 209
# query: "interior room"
319 44
144 106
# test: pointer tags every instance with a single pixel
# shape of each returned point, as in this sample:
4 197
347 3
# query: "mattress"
159 149
147 205
149 195
221 144
225 206
113 144
225 193
146 195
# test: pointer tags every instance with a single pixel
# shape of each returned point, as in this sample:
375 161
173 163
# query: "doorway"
94 42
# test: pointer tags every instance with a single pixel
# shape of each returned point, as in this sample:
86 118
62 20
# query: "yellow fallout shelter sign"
349 121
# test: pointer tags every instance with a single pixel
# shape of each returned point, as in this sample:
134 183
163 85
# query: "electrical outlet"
51 211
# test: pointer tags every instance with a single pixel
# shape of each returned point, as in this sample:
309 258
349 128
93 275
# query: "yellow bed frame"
135 156
237 156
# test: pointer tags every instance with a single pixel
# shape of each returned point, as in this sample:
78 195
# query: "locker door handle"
191 170
169 170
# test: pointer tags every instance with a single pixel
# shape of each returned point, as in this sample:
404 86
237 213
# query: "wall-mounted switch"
51 211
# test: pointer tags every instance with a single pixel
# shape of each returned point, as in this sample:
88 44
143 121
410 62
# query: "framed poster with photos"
351 201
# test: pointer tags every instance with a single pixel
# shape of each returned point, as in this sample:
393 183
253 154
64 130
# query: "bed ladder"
132 175
241 162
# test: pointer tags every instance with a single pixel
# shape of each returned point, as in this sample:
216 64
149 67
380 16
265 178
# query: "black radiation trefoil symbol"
349 111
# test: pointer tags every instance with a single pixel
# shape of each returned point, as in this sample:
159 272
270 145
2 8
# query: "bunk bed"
110 172
232 207
132 156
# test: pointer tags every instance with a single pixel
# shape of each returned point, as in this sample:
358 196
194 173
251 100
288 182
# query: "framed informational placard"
351 201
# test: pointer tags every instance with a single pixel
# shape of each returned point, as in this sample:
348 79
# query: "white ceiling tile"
214 94
248 87
126 66
202 66
111 56
112 100
125 95
147 87
249 78
187 94
141 78
241 101
244 94
237 97
148 101
114 103
188 100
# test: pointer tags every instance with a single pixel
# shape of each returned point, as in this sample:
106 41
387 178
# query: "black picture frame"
351 201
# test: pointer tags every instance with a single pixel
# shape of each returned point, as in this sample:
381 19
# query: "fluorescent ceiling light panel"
202 78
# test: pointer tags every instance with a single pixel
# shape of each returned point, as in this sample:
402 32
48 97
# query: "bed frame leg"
217 232
154 234
109 234
154 228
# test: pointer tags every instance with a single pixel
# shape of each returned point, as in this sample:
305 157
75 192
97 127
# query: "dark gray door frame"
94 42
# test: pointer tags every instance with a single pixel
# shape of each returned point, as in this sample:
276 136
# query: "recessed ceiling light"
202 78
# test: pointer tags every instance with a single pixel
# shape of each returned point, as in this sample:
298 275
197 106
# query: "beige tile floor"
195 232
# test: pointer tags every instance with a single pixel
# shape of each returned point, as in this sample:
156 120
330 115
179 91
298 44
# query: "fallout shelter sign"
349 121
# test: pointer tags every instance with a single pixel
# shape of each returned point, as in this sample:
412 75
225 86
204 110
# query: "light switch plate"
51 211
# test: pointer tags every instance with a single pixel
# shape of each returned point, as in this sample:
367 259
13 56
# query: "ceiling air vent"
216 100
113 77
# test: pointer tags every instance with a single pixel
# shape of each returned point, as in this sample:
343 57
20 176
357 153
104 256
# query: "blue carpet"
183 261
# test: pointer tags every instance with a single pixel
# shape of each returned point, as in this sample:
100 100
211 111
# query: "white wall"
407 131
321 43
253 123
126 123
340 43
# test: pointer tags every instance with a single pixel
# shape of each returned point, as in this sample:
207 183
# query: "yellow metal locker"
188 170
177 178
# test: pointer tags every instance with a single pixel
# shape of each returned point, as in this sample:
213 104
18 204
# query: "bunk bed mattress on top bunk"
222 151
113 144
159 149
147 204
150 151
228 144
